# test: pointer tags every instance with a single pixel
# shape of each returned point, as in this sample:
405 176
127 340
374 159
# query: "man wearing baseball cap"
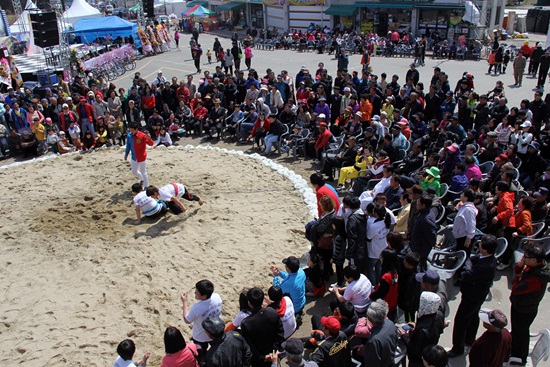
431 282
335 349
294 349
496 339
226 349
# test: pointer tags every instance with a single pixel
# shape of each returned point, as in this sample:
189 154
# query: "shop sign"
306 2
347 21
274 2
367 27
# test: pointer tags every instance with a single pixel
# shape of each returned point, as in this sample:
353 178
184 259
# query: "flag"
15 72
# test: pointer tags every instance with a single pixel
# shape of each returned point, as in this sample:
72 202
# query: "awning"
232 5
441 6
381 5
343 10
191 4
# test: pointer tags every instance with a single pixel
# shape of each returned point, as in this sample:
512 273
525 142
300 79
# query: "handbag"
325 242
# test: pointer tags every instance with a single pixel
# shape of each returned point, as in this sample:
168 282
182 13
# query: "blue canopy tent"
113 26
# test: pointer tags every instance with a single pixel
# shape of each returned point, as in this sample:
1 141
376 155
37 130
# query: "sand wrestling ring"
77 277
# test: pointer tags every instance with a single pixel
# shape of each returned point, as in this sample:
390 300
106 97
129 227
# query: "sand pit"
77 276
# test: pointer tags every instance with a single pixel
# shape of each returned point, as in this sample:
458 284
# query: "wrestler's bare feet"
201 202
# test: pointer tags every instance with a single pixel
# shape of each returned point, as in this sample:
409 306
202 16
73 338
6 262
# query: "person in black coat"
424 230
345 158
226 349
476 280
356 233
263 329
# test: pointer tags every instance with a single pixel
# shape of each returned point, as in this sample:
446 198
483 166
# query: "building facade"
419 17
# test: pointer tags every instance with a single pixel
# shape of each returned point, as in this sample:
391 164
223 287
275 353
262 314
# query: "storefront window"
440 22
381 20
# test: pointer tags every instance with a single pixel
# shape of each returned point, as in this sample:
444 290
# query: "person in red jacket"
199 114
504 218
136 145
85 113
322 140
260 129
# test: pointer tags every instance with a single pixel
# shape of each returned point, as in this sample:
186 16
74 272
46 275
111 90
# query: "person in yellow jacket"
362 159
40 133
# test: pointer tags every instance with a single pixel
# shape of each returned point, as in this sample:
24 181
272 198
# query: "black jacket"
381 346
477 278
356 231
231 350
263 331
423 234
333 352
426 332
277 128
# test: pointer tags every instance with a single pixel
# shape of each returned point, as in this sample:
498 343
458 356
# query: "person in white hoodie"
378 227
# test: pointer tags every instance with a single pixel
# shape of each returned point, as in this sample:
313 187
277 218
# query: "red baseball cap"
331 323
502 157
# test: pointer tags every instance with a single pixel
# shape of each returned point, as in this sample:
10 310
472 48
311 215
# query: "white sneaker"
502 266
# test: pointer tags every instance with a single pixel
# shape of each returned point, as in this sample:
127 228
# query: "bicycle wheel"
131 65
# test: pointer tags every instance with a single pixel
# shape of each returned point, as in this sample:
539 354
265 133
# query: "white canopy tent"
174 6
80 9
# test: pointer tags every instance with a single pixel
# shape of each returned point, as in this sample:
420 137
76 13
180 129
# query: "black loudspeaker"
149 8
44 29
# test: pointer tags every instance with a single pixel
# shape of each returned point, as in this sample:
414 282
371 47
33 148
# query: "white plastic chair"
541 350
545 242
440 258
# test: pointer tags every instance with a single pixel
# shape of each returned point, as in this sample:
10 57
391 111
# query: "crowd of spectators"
410 159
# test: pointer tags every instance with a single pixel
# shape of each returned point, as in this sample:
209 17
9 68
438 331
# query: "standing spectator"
476 280
248 57
528 289
519 68
197 53
263 329
424 228
496 339
209 304
543 69
464 227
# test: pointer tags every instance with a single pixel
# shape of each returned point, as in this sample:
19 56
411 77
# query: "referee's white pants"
139 169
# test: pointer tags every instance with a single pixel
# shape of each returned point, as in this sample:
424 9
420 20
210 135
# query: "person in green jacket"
431 180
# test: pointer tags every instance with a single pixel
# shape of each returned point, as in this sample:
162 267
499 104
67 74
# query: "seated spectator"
357 291
244 312
393 193
472 169
334 350
316 285
178 352
435 356
431 180
496 339
382 340
227 349
413 160
459 181
285 309
125 351
489 149
62 144
540 206
363 158
291 281
294 349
